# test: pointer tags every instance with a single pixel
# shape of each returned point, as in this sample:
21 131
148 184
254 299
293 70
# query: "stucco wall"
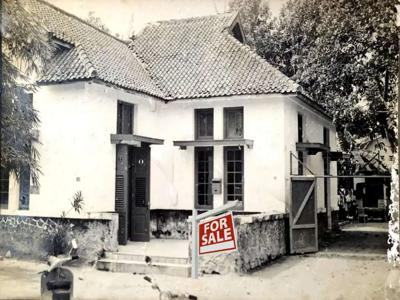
313 133
77 155
172 169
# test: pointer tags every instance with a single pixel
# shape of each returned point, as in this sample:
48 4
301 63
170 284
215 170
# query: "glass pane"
201 199
238 155
238 189
231 166
200 167
238 166
230 155
209 126
204 123
239 124
238 177
202 189
231 198
231 189
202 178
231 177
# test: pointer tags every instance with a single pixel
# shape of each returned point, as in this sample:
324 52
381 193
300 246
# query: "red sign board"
217 234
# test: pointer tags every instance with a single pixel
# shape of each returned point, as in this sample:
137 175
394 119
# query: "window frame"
121 105
197 113
196 179
226 149
228 110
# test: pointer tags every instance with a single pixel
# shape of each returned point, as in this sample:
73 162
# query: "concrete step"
142 258
139 267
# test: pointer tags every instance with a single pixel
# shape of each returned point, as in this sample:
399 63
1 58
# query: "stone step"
129 266
142 258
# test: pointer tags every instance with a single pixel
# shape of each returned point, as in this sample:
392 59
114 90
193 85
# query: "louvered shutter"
121 193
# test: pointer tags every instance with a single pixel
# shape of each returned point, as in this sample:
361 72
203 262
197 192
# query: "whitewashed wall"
172 169
313 124
76 154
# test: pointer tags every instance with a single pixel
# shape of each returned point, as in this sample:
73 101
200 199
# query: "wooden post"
195 243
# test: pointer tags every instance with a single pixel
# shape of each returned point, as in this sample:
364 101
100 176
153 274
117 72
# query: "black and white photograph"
199 149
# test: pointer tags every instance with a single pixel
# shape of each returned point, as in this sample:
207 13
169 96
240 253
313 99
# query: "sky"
124 16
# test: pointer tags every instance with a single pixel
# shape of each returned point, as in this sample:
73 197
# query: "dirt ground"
293 277
351 265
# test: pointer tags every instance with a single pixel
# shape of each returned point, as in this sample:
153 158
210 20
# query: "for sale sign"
217 234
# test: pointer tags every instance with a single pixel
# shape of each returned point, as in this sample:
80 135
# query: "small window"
233 122
204 123
204 157
233 171
125 118
4 186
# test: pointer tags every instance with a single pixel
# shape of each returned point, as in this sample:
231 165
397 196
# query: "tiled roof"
95 54
189 58
199 57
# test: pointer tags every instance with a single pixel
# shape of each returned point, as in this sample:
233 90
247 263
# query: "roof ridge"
144 66
80 20
255 55
160 22
89 66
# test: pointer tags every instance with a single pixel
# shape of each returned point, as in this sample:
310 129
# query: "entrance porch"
158 256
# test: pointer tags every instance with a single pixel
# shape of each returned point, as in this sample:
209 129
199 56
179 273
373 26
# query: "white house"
184 116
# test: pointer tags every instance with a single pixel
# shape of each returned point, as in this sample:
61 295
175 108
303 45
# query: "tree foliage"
24 49
343 52
96 22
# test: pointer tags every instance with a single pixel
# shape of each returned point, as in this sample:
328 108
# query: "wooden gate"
303 215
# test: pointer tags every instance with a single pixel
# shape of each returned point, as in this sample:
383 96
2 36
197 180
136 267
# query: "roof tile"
176 59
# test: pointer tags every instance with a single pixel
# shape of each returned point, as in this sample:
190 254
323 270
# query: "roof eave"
306 99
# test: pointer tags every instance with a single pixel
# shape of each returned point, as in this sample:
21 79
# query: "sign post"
195 242
215 235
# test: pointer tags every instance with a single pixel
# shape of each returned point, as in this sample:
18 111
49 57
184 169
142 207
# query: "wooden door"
140 194
303 216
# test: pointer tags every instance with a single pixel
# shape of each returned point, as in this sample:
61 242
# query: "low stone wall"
169 224
261 238
38 237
